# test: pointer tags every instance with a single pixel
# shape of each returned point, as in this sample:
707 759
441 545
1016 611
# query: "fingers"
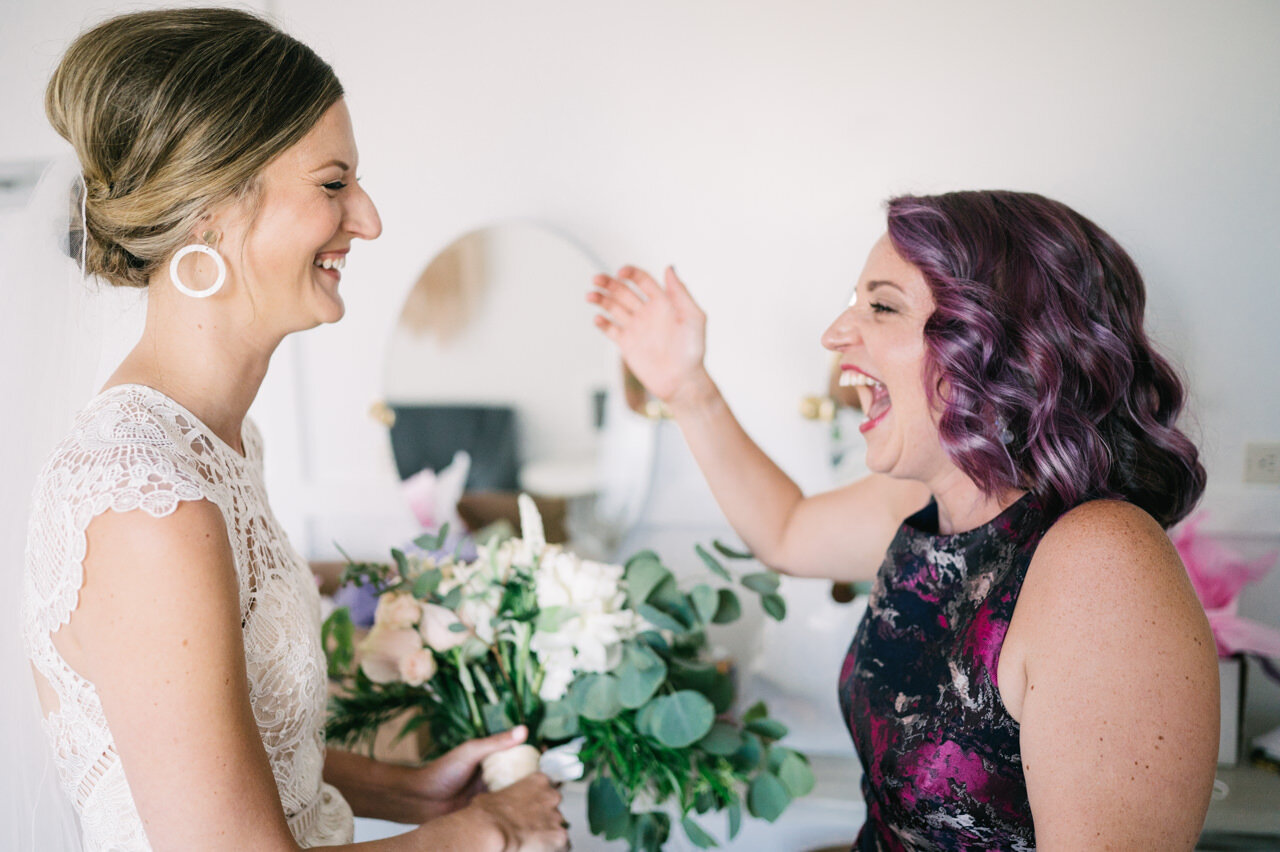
474 751
641 279
617 297
678 291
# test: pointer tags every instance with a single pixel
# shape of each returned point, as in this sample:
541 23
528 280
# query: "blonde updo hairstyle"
171 113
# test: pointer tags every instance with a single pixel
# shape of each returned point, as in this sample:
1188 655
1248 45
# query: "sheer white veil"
52 324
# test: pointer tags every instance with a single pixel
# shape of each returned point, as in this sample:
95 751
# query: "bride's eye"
335 185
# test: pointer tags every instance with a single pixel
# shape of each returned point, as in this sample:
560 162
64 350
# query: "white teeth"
852 379
332 263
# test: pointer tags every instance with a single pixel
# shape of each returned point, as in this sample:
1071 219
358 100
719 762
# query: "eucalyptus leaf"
337 637
720 692
428 581
705 602
667 594
680 719
596 696
770 729
762 582
402 564
642 577
735 817
559 722
639 675
729 552
775 606
767 798
748 757
755 711
722 740
796 775
728 609
649 832
697 836
456 627
660 619
607 812
452 599
642 556
497 717
714 564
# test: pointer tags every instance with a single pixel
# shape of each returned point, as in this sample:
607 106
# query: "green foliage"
762 582
658 724
767 798
337 637
775 606
728 609
714 564
729 552
696 835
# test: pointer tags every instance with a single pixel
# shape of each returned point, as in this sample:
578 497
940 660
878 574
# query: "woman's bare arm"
158 632
1119 710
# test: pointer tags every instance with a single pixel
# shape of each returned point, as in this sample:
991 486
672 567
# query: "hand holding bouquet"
605 664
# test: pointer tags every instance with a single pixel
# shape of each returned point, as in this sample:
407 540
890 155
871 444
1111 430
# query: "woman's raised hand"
660 331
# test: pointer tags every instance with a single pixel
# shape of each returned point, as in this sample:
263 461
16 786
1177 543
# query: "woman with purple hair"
1034 669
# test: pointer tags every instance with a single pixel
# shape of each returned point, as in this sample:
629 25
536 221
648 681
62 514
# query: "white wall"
751 143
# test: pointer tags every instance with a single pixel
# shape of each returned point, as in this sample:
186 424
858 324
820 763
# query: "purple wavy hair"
1038 335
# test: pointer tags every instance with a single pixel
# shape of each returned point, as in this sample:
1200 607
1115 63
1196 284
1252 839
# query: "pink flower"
435 628
418 668
397 611
384 650
1218 576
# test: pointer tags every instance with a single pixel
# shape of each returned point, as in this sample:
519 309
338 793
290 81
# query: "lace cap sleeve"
120 456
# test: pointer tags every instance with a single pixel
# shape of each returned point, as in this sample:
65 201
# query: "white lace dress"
135 448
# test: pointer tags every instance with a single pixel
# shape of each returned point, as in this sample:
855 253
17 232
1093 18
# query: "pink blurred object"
433 497
1219 575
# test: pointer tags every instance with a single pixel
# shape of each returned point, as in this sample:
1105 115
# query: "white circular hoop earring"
203 249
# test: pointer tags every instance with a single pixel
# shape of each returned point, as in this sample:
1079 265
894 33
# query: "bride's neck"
210 365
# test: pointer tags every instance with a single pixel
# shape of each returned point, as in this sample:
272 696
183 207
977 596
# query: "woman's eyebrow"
339 163
872 286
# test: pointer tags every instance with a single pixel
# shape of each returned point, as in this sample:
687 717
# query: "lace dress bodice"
135 448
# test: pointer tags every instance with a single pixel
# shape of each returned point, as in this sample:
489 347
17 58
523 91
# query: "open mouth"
330 262
872 395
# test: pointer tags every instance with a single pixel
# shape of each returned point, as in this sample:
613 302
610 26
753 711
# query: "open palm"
660 331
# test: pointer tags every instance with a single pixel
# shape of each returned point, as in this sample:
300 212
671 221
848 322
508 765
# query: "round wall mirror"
494 353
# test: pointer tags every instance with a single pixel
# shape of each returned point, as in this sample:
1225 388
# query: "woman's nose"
363 220
842 332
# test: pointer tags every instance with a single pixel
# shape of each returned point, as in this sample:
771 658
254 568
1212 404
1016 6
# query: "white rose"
435 631
477 613
555 681
418 668
397 611
563 763
384 648
504 768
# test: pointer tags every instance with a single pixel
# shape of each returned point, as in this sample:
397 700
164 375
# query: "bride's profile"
172 630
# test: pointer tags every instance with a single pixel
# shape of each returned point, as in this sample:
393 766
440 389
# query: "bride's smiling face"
286 244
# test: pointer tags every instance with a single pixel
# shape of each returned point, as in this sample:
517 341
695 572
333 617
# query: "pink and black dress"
939 752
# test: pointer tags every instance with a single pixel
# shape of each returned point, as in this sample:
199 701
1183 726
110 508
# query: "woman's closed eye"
335 185
882 308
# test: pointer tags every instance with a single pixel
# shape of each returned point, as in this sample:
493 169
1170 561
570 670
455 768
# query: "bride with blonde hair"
172 630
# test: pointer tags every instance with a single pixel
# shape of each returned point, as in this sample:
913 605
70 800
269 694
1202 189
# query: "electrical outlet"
1262 463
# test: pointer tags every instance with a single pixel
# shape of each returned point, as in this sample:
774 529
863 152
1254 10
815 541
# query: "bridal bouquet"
606 665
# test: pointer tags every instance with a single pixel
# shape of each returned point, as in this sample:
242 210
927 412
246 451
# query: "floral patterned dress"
939 751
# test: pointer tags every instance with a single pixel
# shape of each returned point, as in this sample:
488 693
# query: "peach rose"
397 611
435 631
418 668
384 648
